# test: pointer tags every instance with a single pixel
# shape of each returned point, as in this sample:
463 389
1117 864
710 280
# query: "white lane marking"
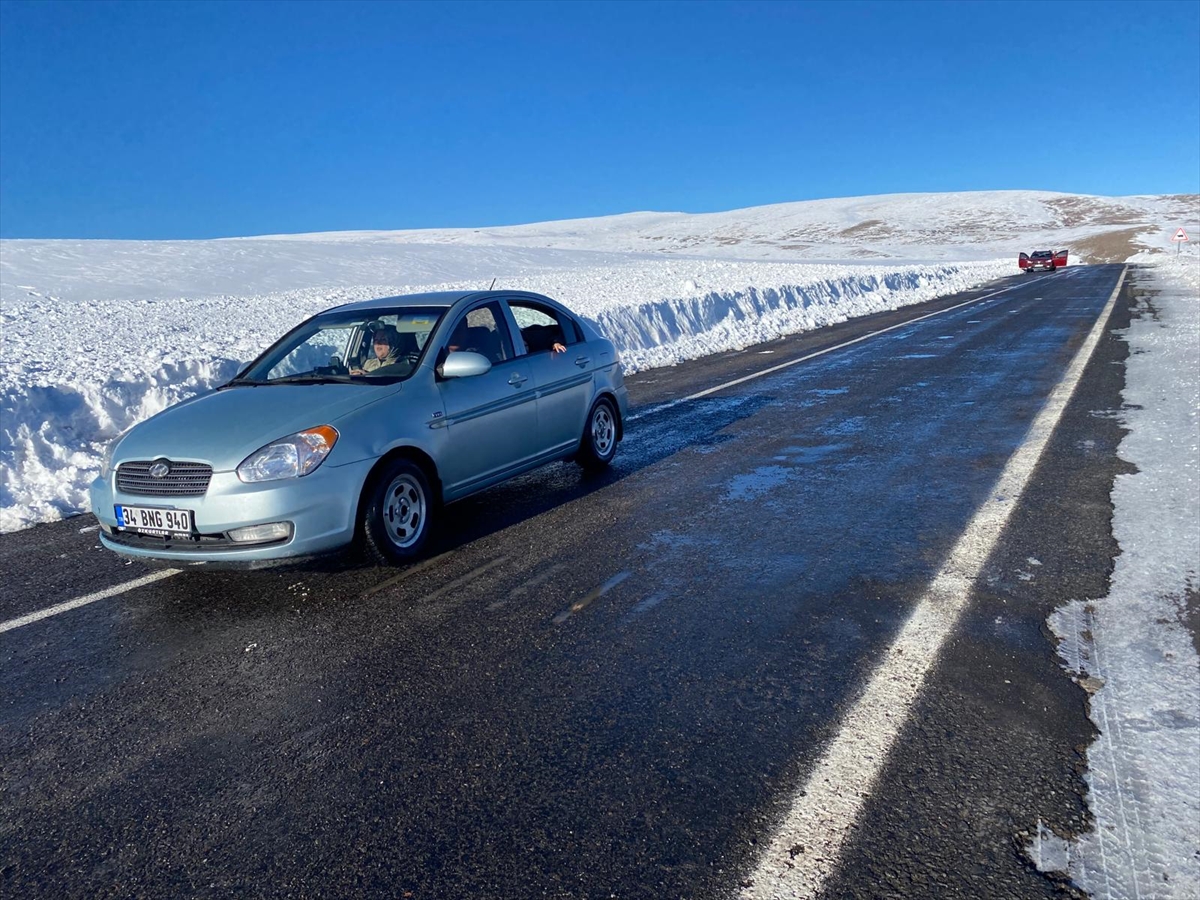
84 601
796 362
807 848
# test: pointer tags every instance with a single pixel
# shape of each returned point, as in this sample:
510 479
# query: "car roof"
443 299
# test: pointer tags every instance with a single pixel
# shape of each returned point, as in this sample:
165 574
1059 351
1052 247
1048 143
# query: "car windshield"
1042 254
360 347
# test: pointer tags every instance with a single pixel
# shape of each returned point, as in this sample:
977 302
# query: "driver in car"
385 353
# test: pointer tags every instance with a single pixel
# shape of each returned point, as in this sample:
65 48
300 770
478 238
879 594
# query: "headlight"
291 457
107 460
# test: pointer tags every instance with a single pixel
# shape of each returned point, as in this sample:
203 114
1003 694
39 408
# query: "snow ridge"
75 374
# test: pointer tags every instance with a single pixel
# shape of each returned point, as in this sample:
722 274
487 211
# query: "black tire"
599 443
398 516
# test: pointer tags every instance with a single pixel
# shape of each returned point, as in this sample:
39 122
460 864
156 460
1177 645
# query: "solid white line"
796 362
807 848
84 601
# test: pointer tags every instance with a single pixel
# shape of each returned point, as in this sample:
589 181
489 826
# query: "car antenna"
493 284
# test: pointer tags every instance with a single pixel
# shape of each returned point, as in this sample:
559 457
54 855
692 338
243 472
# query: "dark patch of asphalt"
599 685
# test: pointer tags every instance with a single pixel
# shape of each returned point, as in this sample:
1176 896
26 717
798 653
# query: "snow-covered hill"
97 335
951 226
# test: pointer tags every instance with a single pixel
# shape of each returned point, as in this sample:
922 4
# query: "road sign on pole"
1180 235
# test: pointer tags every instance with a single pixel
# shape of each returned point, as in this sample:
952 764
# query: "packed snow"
1133 647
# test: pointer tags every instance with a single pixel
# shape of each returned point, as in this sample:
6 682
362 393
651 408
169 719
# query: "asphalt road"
602 686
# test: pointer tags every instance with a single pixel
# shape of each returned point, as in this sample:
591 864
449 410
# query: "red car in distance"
1042 261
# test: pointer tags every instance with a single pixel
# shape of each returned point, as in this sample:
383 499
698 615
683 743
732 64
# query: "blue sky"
190 120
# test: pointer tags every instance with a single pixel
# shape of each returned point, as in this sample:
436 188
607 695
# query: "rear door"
491 419
564 377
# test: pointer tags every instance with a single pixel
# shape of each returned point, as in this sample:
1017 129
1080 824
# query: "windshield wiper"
310 378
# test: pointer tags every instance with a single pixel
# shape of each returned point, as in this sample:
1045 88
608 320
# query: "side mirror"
464 364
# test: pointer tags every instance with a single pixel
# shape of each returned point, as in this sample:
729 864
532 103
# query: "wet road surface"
600 686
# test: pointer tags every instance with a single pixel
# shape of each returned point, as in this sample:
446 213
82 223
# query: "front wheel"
599 443
396 521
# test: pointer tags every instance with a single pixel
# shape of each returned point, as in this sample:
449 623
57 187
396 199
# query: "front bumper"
321 508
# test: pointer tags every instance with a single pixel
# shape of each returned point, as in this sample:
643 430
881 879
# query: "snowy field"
96 336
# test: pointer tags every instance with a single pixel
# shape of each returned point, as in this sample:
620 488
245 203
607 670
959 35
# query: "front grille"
184 480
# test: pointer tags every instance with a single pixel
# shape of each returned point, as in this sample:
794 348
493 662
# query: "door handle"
517 380
582 361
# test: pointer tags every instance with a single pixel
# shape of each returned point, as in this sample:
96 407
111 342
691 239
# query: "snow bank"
663 332
78 369
1133 647
97 335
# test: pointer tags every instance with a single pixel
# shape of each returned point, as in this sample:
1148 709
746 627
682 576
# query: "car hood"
222 428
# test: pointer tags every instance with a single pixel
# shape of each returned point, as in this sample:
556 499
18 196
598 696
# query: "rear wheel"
396 521
599 443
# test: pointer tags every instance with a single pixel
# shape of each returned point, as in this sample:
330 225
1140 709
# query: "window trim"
566 322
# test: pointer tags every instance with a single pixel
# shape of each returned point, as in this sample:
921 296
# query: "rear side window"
543 326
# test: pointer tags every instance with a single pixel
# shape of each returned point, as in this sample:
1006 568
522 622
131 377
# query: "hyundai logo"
160 469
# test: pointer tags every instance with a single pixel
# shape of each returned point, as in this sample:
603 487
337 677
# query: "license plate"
155 521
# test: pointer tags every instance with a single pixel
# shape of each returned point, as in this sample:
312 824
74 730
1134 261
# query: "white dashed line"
84 601
807 848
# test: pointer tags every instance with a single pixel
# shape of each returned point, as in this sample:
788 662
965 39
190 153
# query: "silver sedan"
360 424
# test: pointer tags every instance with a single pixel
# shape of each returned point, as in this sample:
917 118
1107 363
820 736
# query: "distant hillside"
893 230
948 226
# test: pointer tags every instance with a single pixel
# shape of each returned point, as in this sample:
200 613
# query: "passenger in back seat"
543 337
